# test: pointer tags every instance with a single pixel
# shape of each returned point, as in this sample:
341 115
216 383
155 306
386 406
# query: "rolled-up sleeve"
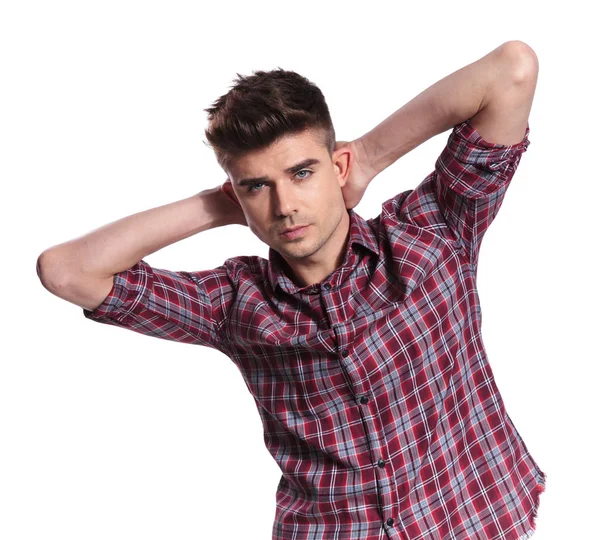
475 168
462 196
472 176
173 305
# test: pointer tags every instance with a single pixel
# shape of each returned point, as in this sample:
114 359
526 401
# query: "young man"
360 340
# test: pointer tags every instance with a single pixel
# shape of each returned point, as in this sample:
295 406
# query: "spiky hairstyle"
261 108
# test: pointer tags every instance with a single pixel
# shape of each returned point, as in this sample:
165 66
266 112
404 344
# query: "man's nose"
284 200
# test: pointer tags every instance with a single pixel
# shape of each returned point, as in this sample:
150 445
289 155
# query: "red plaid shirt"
374 388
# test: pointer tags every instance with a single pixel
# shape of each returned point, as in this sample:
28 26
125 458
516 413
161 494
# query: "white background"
105 433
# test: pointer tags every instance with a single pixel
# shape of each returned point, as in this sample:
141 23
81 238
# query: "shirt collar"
361 234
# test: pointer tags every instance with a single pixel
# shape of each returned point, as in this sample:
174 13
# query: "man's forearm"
452 100
121 244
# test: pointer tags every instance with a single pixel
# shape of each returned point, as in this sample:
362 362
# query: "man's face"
288 190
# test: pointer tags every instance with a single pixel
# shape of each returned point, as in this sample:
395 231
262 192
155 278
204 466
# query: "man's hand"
232 204
360 175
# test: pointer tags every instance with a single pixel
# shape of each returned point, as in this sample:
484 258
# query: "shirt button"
381 463
390 521
327 286
364 400
345 352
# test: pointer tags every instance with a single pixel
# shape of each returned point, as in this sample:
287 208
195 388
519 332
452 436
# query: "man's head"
273 136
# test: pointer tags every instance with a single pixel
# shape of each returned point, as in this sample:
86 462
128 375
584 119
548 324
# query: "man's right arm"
81 270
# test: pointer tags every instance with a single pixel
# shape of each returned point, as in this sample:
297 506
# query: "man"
360 340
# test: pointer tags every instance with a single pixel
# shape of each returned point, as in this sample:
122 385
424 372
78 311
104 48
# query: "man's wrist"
364 159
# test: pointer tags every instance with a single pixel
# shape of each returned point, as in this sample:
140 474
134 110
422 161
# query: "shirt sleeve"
177 306
461 198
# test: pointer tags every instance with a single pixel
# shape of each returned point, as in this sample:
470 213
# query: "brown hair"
263 107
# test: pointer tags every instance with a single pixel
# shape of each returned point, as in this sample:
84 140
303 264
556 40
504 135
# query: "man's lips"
293 229
288 233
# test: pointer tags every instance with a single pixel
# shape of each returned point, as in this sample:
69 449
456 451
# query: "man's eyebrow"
289 170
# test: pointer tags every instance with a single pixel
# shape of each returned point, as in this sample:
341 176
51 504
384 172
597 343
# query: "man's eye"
304 170
251 187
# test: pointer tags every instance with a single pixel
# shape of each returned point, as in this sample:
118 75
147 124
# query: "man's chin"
296 252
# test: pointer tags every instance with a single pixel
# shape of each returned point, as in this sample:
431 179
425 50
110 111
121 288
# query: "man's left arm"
495 93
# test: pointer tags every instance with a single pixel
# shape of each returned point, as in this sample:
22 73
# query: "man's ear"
227 189
342 160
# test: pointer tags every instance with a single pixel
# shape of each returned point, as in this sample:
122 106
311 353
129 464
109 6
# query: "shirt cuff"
474 167
128 290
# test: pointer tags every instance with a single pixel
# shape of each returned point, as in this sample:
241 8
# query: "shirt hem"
538 490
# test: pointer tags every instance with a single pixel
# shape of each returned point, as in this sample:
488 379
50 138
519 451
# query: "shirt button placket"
363 400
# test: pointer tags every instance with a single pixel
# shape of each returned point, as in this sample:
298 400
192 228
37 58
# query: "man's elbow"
523 59
47 272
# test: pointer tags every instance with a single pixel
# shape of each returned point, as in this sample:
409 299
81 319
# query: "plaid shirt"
374 388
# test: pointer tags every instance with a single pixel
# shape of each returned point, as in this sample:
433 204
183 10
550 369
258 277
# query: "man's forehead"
287 152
